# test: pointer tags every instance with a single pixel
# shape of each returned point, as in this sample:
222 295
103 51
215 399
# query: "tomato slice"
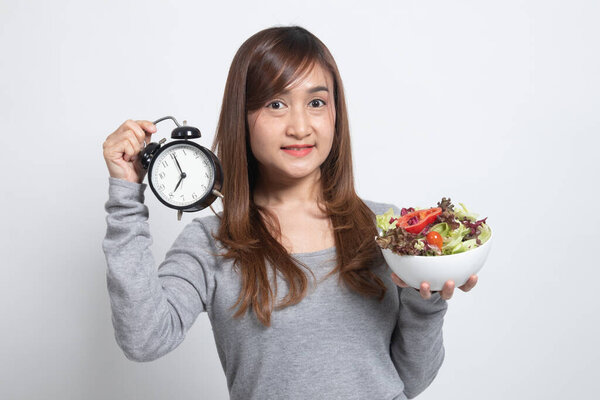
416 221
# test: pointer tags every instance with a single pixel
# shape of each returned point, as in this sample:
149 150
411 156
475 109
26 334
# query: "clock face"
182 174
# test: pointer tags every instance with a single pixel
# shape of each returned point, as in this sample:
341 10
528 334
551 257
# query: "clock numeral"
171 195
206 175
183 150
172 155
197 155
165 164
161 175
182 197
194 195
161 187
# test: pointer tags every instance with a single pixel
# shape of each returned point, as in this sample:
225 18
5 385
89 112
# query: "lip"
304 150
296 146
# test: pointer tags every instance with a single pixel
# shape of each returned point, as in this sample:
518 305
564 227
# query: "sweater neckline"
314 253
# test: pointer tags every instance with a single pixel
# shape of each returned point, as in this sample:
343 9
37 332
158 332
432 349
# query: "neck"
283 193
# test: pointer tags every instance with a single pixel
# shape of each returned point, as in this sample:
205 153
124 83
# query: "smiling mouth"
297 147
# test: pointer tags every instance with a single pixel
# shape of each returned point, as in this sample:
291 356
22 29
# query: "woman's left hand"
447 290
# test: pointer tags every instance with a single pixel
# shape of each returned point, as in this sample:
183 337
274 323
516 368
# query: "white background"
494 104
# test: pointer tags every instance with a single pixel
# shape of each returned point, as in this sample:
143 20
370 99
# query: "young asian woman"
290 212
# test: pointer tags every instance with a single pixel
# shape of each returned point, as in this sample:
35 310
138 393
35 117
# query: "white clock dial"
169 167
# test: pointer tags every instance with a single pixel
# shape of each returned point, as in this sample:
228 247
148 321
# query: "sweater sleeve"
417 347
152 309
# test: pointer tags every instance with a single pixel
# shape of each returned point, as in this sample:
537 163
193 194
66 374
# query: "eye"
315 103
276 105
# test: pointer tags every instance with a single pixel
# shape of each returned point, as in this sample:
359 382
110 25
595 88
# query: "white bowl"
438 269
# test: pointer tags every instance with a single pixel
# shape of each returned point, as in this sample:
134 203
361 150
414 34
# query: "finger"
469 284
115 148
398 281
447 290
128 150
140 134
135 144
425 291
149 127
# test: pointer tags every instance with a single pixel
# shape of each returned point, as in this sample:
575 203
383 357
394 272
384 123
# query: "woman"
285 209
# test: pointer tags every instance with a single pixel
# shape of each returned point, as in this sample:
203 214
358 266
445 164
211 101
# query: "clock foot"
179 214
217 193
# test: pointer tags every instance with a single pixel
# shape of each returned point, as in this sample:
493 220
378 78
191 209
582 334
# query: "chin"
302 173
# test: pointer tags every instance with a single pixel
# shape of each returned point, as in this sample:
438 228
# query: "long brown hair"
264 65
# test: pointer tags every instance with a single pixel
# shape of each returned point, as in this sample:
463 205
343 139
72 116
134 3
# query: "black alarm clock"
182 174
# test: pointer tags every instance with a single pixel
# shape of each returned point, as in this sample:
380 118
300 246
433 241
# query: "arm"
151 310
417 347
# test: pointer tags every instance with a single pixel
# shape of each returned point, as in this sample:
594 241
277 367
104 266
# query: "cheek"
329 147
266 132
255 146
260 143
327 128
326 121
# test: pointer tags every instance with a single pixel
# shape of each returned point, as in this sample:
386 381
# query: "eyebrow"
311 90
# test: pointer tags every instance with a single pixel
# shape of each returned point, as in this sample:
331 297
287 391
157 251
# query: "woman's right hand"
122 148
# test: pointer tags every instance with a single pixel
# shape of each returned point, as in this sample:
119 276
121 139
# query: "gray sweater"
334 344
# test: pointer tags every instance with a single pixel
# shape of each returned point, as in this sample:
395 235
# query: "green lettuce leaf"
383 221
454 239
463 213
442 228
485 234
464 246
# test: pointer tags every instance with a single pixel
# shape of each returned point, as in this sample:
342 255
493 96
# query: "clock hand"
178 183
178 166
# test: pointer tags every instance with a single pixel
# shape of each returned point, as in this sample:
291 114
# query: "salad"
436 231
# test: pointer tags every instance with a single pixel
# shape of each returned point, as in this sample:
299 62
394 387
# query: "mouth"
298 150
298 147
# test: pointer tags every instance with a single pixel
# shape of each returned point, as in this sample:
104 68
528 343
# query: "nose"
299 124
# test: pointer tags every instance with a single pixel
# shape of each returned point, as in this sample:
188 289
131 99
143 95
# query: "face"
303 115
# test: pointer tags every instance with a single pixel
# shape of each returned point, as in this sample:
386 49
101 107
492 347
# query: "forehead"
314 76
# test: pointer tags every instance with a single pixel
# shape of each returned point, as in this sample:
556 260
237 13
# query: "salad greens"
441 230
